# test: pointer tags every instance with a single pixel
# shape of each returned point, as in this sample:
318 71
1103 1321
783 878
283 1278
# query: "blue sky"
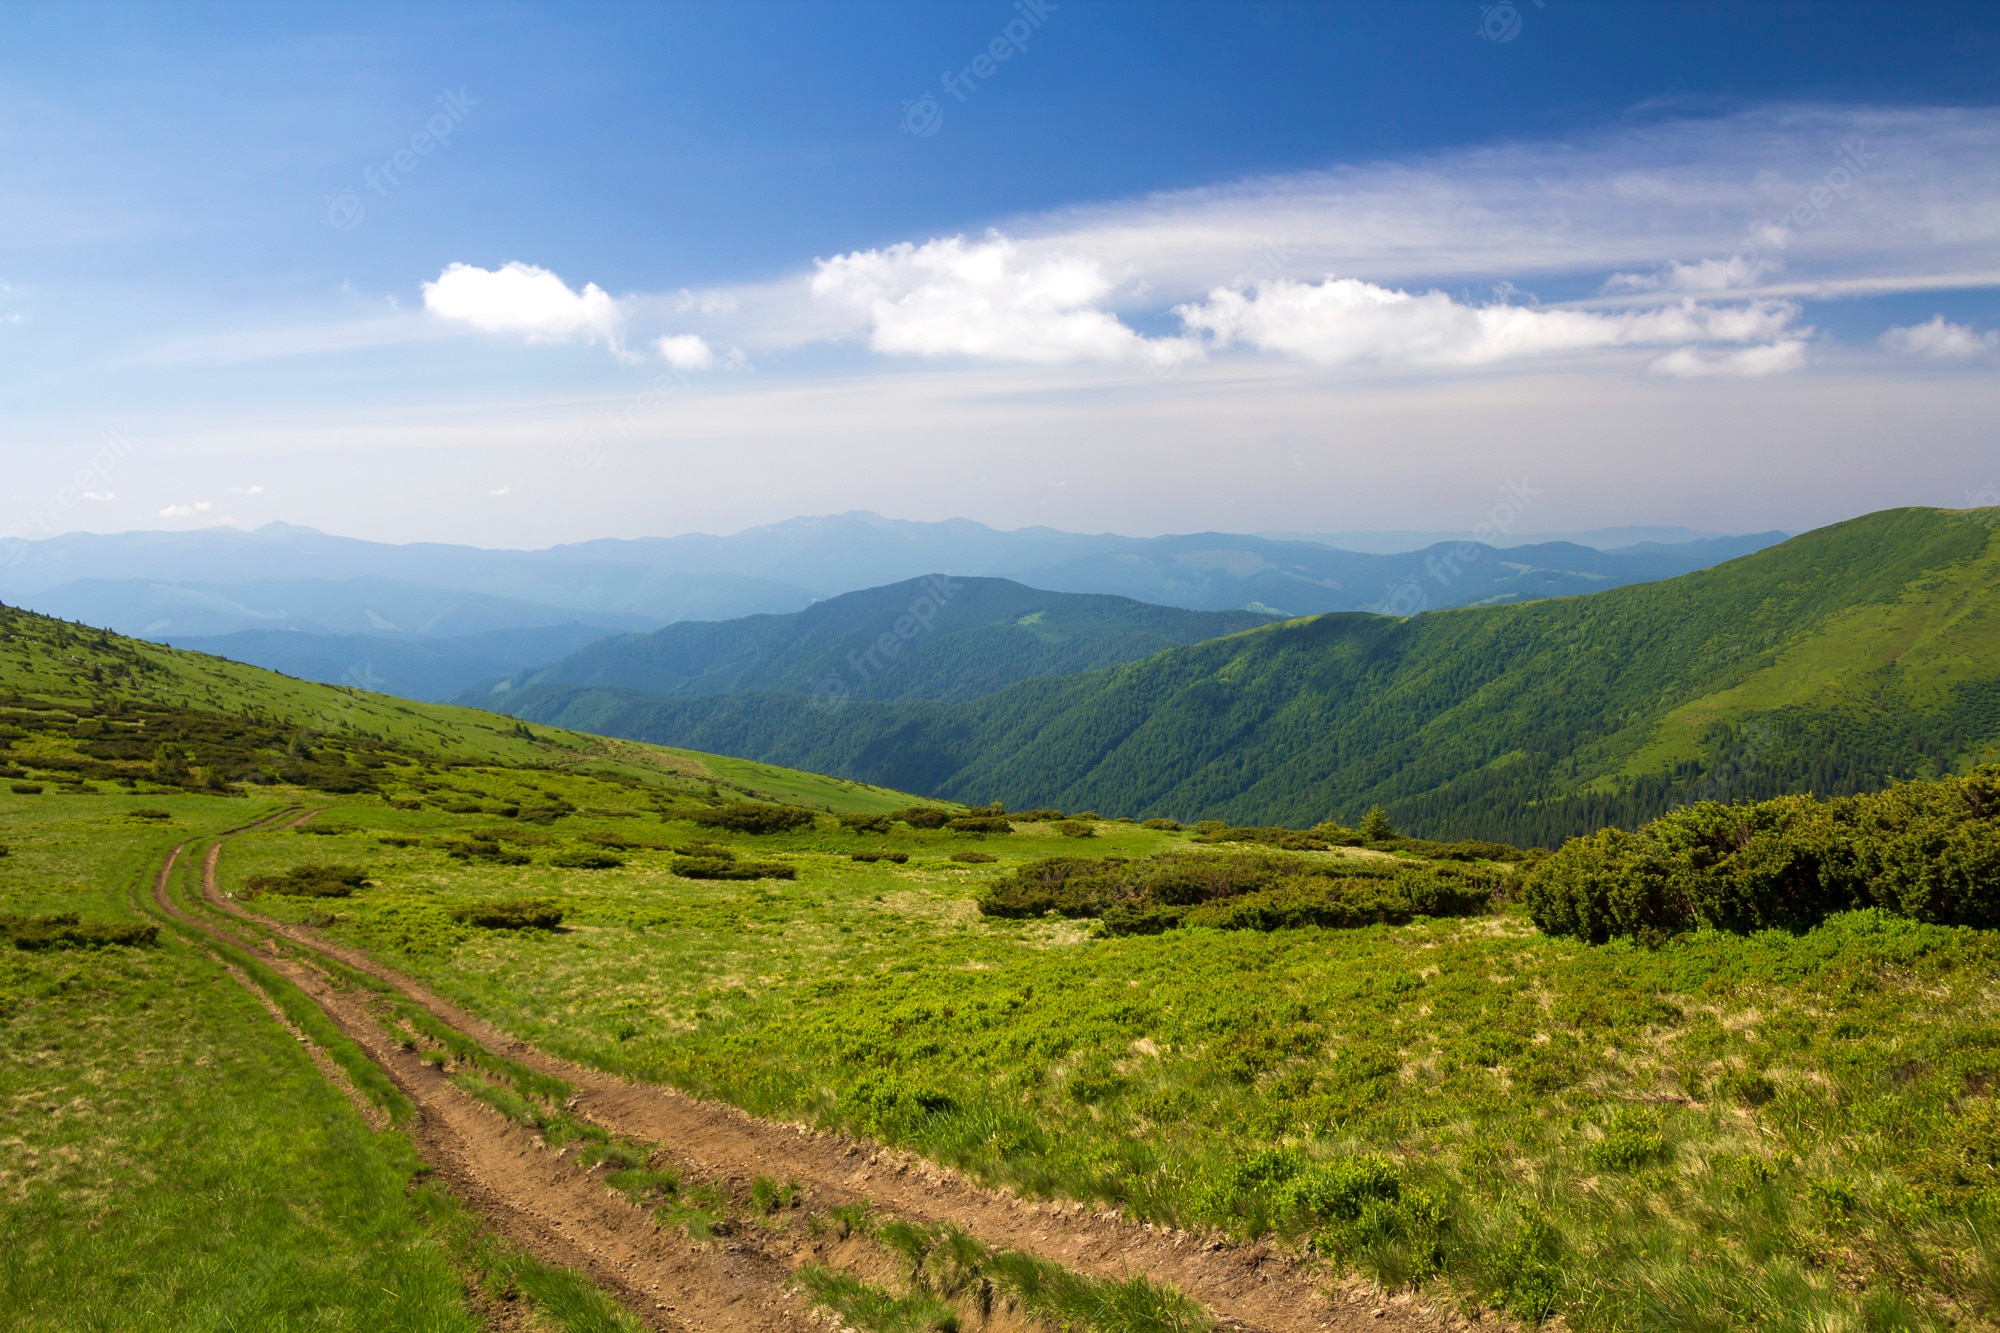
1163 267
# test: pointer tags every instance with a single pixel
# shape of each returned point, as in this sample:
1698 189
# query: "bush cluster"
895 858
510 914
1248 891
309 881
752 817
65 930
1925 850
721 863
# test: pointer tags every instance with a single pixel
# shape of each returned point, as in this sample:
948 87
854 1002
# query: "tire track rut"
1250 1288
533 1197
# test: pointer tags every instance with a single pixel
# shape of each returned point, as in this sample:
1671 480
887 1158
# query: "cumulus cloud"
686 351
185 510
950 297
1343 321
1749 363
1940 339
520 298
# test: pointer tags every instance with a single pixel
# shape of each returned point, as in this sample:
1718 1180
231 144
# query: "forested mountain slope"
1835 662
928 638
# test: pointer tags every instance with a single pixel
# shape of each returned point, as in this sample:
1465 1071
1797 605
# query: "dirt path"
1250 1288
537 1199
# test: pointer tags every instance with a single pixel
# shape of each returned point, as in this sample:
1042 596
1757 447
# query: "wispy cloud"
185 510
1941 340
1342 321
1687 363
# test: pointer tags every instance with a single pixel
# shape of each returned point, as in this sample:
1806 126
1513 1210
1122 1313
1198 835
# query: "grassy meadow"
1779 1130
169 1156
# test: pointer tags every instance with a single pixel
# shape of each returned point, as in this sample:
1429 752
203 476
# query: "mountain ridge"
1523 722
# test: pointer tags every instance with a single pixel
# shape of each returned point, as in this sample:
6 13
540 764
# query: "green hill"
1835 662
929 638
82 707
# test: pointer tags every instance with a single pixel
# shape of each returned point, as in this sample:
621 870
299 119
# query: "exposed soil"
554 1211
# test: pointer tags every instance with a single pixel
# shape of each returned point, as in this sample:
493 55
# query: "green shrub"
1630 1141
309 881
973 858
924 816
1926 850
1165 825
895 858
510 914
716 867
157 816
979 824
1527 1273
752 817
854 823
585 859
27 789
1287 839
710 850
65 930
1075 828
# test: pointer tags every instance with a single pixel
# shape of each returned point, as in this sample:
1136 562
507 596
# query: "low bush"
979 824
65 930
1076 828
1286 839
584 858
1925 850
1246 891
924 816
973 858
1166 825
859 823
27 789
896 858
716 867
712 850
309 881
510 914
156 816
754 817
485 849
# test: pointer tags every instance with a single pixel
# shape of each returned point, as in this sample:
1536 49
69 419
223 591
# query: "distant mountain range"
191 581
1837 661
936 637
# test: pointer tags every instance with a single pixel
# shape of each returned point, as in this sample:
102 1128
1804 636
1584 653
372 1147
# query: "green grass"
1638 1138
171 1158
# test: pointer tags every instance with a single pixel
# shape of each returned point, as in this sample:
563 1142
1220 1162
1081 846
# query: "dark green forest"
1834 663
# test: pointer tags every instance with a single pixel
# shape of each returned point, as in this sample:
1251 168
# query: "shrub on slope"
1925 850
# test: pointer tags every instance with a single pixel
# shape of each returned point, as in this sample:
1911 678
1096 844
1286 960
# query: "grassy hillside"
1834 662
84 709
929 638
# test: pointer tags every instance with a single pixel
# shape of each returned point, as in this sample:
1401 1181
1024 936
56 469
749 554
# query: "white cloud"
1706 275
185 510
950 298
686 351
1937 338
1748 363
100 495
520 298
1343 321
501 490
